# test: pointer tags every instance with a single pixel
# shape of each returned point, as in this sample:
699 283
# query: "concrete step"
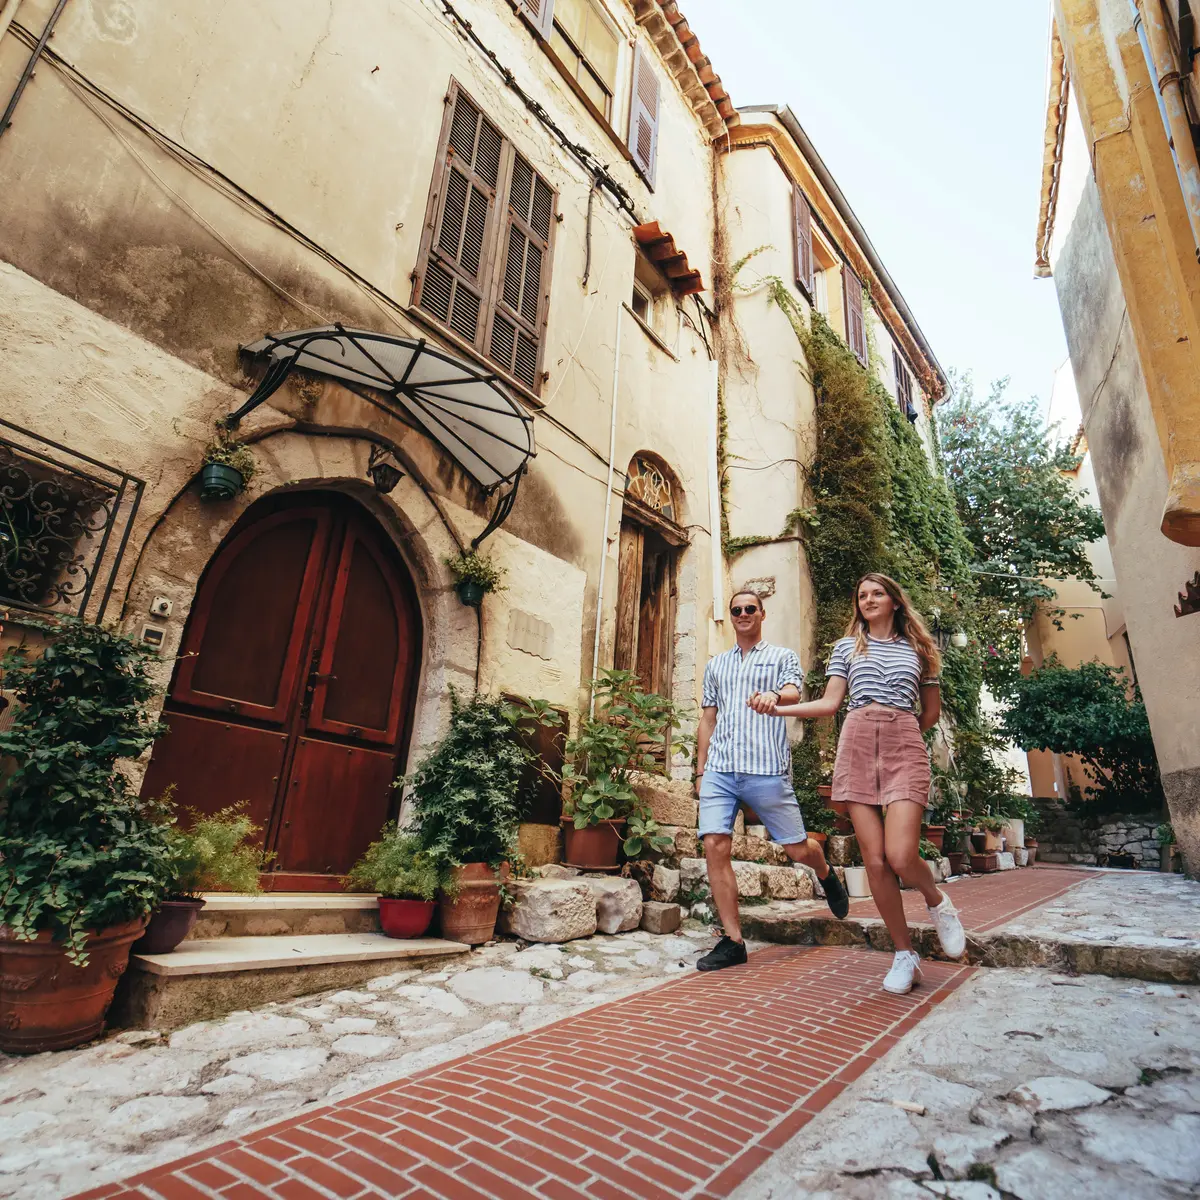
206 978
285 914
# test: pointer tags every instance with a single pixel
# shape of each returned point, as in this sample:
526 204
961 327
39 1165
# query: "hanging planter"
227 468
475 576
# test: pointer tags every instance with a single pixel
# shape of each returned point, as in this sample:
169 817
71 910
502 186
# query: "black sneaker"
726 953
835 895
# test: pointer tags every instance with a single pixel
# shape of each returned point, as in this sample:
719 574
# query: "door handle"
316 677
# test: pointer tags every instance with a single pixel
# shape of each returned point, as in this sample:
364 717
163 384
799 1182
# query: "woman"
886 660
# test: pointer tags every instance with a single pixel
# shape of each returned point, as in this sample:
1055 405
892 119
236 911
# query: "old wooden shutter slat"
644 114
856 331
453 267
802 218
540 14
629 594
518 319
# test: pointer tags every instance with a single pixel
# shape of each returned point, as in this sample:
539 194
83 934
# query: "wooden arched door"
295 684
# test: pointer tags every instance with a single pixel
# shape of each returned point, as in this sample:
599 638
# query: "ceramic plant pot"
593 848
220 482
468 912
169 924
470 593
991 842
406 918
46 1003
956 862
857 886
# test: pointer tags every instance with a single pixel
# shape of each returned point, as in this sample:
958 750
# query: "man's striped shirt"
744 741
889 673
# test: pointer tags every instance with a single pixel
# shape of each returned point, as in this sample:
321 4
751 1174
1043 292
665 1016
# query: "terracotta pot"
956 862
817 837
935 835
470 916
169 924
1032 847
985 863
593 848
406 918
991 841
977 842
48 1004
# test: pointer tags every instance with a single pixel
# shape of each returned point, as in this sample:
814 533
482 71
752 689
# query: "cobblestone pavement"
1026 1085
72 1119
679 1091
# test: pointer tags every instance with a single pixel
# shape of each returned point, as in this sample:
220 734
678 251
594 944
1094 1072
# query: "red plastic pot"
593 848
46 1003
169 924
405 918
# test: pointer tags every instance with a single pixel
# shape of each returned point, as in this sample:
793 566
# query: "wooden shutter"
540 14
643 115
629 594
802 222
856 330
523 288
455 264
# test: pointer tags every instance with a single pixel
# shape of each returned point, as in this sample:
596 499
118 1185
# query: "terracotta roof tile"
660 249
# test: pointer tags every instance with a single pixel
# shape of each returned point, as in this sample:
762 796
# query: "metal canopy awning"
464 409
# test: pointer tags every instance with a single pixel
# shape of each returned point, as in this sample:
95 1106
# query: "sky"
930 115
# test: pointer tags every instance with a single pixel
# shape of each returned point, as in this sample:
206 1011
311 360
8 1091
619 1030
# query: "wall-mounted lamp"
384 472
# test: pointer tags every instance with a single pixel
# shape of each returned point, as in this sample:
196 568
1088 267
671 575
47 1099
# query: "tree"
1026 523
1087 711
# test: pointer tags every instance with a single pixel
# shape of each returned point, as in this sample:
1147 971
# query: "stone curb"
1157 964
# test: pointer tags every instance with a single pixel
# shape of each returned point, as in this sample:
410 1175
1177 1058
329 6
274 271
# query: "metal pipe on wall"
27 73
1150 21
612 455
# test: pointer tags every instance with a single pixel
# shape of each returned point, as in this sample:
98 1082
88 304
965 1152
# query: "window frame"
606 21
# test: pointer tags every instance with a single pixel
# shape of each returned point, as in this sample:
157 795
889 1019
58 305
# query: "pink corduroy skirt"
881 757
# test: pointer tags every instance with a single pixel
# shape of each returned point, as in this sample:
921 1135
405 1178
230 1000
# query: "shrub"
395 866
473 567
213 855
79 850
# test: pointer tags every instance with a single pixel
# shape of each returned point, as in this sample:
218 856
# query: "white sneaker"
949 928
906 970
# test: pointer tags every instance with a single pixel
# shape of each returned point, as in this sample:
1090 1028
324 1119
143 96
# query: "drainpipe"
6 17
1151 25
608 493
714 500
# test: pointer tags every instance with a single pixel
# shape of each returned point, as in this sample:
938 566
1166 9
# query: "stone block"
749 879
841 849
749 849
556 871
552 910
687 844
1005 861
618 903
661 918
692 873
664 884
641 870
671 801
757 831
739 822
785 883
777 856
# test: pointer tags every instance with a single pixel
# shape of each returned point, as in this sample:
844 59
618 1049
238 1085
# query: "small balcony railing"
65 521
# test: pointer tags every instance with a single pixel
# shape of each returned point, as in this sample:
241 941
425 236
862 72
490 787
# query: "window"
642 303
802 241
652 301
484 266
904 386
856 329
587 46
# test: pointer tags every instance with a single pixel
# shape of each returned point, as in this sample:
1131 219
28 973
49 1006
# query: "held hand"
764 703
696 785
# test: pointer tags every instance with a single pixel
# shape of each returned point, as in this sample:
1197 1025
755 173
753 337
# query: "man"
743 756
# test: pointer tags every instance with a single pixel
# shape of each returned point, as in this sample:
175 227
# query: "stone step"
285 914
206 978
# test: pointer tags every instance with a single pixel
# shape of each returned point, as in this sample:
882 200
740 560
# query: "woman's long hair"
908 625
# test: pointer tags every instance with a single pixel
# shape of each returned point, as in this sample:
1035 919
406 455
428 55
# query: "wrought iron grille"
65 520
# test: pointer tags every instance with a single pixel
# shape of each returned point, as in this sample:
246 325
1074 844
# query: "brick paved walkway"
986 902
681 1091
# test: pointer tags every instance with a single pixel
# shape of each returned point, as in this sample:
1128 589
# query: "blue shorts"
770 796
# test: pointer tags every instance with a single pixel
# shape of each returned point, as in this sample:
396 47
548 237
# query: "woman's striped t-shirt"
889 673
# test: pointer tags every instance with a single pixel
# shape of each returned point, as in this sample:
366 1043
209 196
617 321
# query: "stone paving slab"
678 1091
1129 924
1042 1086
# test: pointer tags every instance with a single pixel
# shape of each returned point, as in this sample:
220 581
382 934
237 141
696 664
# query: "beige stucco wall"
127 283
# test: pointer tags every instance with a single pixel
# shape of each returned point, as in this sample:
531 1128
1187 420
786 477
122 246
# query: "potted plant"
82 858
475 576
933 856
629 731
227 467
1031 848
405 877
990 826
215 854
463 802
1168 850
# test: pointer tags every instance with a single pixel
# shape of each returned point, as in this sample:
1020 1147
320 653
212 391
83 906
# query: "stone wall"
1071 836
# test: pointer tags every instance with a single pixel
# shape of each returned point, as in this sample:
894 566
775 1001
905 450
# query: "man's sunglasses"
748 609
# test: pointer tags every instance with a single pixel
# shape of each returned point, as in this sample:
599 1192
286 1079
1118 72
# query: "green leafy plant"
928 851
643 833
464 793
79 850
628 732
214 854
1089 711
473 567
990 822
395 866
226 451
1164 834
